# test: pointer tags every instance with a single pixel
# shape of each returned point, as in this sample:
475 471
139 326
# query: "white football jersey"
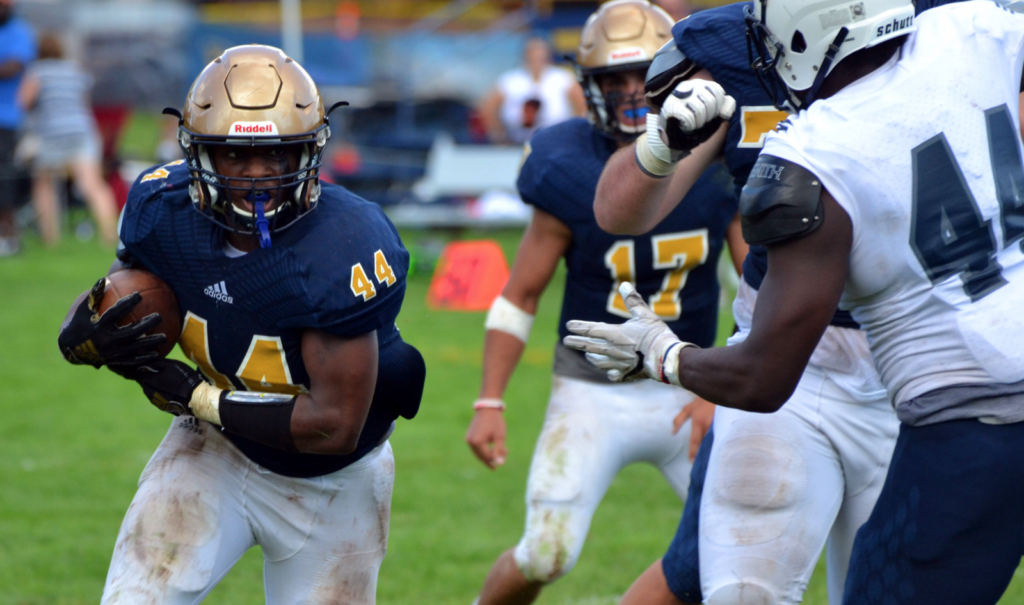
924 154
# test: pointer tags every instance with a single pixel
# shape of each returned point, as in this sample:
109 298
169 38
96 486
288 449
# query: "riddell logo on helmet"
253 129
625 55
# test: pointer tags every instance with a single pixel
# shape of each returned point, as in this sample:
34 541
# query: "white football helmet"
794 44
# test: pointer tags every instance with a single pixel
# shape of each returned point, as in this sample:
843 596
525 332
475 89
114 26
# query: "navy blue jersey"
673 266
716 40
342 270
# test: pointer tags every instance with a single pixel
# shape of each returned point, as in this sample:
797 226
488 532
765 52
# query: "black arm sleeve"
263 417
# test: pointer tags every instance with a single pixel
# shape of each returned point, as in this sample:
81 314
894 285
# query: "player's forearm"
510 319
502 352
627 201
324 423
330 429
795 303
738 377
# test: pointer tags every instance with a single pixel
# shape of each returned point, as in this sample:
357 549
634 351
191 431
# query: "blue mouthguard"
259 199
636 114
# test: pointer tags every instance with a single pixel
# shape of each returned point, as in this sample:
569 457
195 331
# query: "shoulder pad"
668 68
781 201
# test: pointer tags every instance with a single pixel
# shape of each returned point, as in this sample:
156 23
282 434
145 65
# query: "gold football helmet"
254 95
622 35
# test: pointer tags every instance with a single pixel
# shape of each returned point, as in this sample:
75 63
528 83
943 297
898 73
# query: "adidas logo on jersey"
219 292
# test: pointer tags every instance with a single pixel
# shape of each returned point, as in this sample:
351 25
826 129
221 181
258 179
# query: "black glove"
167 383
96 340
683 141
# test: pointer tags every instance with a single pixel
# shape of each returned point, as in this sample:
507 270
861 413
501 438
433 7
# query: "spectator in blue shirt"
17 50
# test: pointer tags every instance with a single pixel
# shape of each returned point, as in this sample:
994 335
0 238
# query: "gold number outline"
195 327
678 265
359 278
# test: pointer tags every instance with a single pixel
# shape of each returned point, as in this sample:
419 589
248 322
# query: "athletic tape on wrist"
205 402
489 403
652 155
670 363
263 417
506 317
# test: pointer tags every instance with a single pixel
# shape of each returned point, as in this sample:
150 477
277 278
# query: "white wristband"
670 364
506 317
489 403
652 155
205 402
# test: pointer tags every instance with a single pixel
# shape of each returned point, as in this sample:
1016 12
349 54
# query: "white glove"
695 103
644 344
689 116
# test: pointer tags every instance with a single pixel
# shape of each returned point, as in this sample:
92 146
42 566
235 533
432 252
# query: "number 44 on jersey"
360 282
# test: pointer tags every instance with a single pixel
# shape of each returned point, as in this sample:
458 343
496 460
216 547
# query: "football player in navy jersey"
288 290
592 430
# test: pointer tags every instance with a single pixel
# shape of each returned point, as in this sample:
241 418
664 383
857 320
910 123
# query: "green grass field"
74 440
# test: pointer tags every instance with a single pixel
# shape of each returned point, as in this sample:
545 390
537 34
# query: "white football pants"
590 433
201 504
779 486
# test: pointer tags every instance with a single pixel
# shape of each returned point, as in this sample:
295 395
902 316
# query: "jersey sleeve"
141 212
530 181
554 176
355 276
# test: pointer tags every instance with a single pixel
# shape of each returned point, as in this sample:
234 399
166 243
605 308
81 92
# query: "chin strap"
258 200
826 63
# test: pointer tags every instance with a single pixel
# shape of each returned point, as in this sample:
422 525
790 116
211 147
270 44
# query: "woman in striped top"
57 92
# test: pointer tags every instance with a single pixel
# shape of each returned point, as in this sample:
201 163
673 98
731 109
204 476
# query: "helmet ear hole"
798 45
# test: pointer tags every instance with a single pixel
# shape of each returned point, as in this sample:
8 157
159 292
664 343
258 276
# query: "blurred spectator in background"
56 90
17 50
531 97
677 9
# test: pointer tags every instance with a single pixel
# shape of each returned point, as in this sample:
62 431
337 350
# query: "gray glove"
643 346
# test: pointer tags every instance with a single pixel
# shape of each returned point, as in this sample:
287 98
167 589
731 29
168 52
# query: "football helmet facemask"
622 35
255 96
794 45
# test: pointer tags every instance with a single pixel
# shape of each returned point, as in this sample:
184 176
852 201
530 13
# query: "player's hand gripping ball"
692 113
115 323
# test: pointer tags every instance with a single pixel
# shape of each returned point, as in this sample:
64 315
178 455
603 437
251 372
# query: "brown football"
157 297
